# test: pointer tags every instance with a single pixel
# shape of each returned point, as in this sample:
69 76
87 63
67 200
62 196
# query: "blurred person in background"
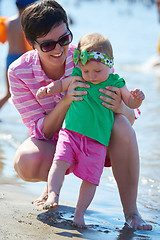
158 8
16 41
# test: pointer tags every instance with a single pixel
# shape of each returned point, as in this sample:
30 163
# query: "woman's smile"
57 55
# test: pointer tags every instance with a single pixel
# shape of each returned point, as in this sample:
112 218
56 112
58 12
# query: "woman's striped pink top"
26 77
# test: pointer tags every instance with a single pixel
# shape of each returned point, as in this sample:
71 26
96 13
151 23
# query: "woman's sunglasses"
48 46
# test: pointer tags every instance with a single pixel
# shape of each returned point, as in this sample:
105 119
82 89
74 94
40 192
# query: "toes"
149 227
136 222
38 203
52 206
145 227
140 227
82 226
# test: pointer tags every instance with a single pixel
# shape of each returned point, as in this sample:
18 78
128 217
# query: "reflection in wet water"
7 152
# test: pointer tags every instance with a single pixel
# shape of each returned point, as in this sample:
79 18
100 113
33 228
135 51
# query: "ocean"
133 29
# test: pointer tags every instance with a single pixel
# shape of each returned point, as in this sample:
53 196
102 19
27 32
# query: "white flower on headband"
97 54
108 61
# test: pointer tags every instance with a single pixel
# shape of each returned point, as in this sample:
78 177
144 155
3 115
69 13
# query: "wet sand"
20 219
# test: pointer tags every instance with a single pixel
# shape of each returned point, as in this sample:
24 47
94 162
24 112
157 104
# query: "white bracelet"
137 113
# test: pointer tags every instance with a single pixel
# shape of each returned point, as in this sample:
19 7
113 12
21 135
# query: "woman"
48 33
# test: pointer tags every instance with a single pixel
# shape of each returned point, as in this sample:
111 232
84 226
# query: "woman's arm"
116 104
32 113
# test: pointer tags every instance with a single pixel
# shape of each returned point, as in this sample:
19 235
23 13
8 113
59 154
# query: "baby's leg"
55 180
86 195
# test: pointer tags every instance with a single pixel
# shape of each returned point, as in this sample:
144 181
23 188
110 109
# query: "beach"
22 220
133 29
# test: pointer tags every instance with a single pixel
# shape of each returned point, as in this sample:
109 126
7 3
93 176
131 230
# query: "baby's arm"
132 99
44 91
54 87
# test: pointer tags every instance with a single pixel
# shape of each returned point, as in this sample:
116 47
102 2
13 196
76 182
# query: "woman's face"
55 58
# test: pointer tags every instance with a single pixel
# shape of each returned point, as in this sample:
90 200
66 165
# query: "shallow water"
133 30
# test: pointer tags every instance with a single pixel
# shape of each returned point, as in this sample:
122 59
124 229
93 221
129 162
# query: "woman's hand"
72 94
115 102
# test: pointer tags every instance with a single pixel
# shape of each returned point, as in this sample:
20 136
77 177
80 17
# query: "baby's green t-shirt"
89 117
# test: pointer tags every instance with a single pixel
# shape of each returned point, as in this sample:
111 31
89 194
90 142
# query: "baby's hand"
138 95
45 91
42 92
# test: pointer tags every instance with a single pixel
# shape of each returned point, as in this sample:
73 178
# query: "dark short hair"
38 18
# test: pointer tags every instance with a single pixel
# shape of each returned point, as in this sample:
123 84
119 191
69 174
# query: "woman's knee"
33 160
122 129
26 165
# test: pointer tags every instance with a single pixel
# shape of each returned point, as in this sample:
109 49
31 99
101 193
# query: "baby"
86 130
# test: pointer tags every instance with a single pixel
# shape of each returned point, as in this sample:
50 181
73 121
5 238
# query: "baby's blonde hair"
95 42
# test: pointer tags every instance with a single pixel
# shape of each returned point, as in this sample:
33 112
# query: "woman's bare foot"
52 201
43 198
136 222
78 220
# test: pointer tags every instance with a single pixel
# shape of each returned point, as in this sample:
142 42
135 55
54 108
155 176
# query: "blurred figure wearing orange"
16 41
158 7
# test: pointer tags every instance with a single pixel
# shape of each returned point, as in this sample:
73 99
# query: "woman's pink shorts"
86 156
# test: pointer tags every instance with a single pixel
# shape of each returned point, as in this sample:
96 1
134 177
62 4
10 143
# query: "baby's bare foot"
52 201
79 225
136 222
42 199
78 221
52 206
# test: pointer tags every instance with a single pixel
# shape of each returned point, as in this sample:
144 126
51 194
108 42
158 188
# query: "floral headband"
85 56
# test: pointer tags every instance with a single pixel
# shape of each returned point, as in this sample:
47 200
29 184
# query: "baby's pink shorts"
86 156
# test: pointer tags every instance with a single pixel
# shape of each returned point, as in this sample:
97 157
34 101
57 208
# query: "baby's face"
95 72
